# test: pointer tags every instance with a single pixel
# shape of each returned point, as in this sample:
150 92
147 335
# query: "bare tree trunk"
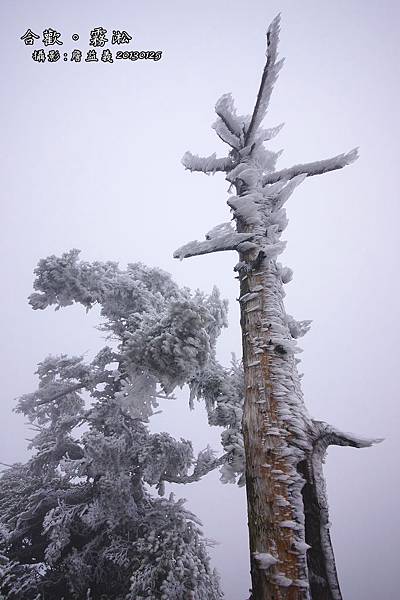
290 548
275 512
291 552
288 513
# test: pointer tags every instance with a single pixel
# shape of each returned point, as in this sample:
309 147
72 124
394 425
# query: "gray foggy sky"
90 158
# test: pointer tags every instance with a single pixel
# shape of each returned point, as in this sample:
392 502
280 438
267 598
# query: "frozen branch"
314 168
284 194
264 135
297 328
197 473
225 109
330 436
268 79
326 435
207 164
222 237
70 390
225 134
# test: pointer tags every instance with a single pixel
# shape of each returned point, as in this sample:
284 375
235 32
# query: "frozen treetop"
250 167
166 330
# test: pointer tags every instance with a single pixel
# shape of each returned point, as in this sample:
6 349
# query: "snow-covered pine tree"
78 520
290 547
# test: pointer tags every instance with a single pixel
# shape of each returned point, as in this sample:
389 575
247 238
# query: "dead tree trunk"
290 547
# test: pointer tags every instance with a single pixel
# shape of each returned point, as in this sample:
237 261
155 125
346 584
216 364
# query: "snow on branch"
268 79
226 135
199 471
65 392
207 164
297 328
327 435
222 237
264 135
226 111
313 168
284 194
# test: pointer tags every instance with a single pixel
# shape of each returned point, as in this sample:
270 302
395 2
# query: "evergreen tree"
78 520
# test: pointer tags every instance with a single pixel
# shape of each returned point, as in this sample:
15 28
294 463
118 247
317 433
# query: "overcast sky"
90 158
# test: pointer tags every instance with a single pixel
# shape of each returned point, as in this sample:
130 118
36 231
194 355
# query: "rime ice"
78 520
283 446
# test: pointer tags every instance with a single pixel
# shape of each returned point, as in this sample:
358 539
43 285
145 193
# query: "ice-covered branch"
225 109
321 550
226 135
206 164
268 79
327 435
297 328
284 194
198 473
222 237
264 135
70 390
314 168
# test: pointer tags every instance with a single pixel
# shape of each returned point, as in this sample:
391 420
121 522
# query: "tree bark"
287 507
275 429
